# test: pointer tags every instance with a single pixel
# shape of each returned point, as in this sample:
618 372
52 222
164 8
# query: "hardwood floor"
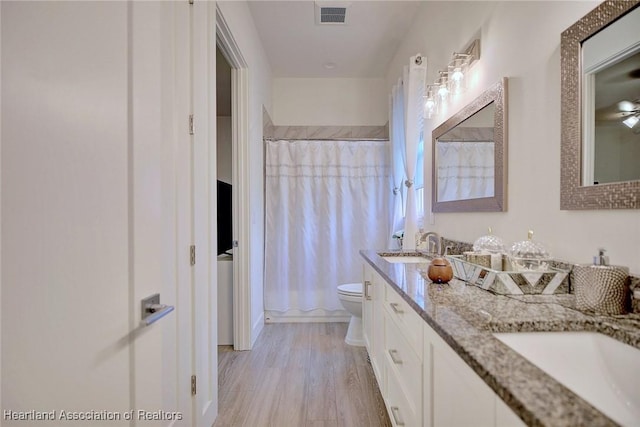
299 375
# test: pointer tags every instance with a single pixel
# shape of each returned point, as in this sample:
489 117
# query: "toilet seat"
350 289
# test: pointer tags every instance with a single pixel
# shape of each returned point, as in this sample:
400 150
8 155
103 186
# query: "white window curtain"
325 200
419 181
396 136
414 88
465 170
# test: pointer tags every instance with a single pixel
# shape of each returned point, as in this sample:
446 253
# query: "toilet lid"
350 289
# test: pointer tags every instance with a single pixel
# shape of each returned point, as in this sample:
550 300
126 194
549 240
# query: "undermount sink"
405 258
603 371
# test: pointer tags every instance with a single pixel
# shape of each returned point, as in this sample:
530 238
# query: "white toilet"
350 295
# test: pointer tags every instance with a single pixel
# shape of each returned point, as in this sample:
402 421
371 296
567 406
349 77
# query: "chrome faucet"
434 242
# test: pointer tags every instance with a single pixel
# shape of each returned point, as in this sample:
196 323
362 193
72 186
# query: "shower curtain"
465 170
325 200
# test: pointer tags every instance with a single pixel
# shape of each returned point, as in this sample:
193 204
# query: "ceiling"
362 48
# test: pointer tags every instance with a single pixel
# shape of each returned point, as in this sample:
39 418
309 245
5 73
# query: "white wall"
240 21
224 149
520 40
329 102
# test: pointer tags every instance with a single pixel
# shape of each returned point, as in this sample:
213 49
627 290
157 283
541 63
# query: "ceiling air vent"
331 13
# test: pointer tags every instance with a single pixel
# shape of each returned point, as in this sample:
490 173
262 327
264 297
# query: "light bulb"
430 107
430 103
457 74
443 91
631 121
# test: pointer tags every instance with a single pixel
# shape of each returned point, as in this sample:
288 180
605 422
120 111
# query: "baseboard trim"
315 316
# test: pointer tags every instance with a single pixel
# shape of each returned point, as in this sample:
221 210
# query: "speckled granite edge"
466 316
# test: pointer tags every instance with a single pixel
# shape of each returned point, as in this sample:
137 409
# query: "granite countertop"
465 316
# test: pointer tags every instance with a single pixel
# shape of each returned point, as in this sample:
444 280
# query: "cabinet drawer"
401 412
405 317
404 363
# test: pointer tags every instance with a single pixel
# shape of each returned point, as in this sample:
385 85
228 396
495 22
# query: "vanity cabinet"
393 337
421 378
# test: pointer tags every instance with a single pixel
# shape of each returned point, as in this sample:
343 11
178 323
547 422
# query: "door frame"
240 176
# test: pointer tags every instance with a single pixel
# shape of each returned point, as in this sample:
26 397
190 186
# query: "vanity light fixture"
452 81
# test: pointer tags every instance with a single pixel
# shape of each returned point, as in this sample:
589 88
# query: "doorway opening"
224 160
239 170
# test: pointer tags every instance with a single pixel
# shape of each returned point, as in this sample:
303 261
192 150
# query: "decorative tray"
553 280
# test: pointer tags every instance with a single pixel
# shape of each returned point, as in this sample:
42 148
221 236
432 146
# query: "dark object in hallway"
225 217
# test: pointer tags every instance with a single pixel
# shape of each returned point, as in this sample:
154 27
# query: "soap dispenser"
600 259
600 287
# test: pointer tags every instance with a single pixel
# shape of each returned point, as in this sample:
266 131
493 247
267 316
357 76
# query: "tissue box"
548 282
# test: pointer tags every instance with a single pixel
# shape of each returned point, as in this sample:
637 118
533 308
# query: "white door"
67 279
99 208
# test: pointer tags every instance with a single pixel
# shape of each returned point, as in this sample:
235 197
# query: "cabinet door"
405 366
367 307
373 321
460 398
401 411
377 292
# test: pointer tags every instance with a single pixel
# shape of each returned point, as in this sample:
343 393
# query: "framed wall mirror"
600 66
469 171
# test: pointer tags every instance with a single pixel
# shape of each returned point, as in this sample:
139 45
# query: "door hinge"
192 255
191 126
193 385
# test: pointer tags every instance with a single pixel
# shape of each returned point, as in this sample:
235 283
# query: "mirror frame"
573 195
498 203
